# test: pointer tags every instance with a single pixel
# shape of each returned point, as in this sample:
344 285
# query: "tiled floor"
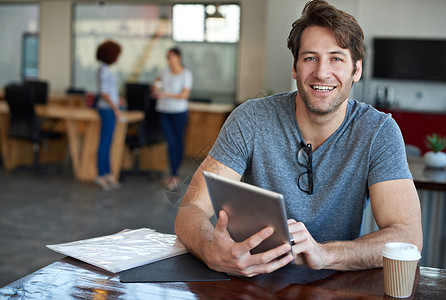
51 207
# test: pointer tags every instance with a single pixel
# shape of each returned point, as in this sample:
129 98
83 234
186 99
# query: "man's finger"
261 258
253 241
296 226
270 255
222 223
268 267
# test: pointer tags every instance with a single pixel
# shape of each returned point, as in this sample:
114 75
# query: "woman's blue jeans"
106 138
174 125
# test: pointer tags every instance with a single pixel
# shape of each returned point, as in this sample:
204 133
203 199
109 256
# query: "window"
21 21
147 31
143 30
30 55
188 20
223 23
206 23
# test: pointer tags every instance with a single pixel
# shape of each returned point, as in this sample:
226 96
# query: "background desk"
431 187
203 125
62 99
72 279
72 100
82 126
426 178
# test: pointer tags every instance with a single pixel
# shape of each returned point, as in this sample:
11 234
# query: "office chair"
136 95
149 132
24 124
40 89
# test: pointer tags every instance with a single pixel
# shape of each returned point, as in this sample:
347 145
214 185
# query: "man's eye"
309 58
336 59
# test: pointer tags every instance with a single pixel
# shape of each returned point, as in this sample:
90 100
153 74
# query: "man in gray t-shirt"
327 155
261 140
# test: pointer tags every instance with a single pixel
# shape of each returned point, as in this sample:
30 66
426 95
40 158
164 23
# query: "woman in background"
172 104
108 107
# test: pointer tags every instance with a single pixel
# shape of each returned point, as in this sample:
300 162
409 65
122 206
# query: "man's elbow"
414 235
418 239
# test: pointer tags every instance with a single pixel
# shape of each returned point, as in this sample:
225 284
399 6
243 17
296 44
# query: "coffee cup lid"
401 251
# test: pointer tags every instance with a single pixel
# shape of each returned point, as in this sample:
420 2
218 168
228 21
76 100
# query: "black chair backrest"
150 131
23 122
41 89
137 94
201 100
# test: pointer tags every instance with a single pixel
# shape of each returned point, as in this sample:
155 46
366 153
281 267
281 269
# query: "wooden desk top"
58 97
210 107
75 113
70 278
54 97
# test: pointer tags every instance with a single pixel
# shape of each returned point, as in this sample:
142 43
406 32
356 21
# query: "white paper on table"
124 250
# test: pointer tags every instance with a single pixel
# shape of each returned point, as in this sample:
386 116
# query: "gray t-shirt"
261 139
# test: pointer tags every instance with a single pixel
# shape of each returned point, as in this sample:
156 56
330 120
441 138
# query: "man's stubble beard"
334 105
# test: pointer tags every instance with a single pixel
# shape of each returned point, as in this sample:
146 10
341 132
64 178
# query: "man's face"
324 71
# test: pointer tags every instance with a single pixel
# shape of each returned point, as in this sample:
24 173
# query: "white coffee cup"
158 85
399 263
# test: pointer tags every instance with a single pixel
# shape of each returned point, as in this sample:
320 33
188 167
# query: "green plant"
436 142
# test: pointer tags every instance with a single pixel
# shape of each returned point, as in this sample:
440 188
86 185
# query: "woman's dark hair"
176 51
348 33
108 52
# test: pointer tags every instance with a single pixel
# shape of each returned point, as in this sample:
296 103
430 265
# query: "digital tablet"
250 209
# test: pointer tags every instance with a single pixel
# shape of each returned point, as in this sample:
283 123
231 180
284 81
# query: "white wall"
278 58
252 53
55 41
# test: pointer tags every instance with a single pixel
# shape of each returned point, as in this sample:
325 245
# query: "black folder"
184 267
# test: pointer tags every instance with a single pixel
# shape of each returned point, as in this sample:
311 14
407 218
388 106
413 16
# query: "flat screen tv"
418 59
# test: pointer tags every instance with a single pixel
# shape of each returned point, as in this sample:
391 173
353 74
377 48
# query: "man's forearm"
192 225
194 229
365 252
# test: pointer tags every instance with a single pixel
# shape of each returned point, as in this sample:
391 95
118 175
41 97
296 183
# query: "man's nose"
322 70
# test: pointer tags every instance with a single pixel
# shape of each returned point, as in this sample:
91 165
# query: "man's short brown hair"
348 33
108 52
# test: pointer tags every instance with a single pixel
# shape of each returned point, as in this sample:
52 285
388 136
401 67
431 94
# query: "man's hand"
306 250
225 255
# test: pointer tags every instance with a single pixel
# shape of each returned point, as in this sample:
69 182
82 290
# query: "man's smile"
322 88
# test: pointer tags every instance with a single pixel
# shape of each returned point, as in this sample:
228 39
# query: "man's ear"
293 70
358 72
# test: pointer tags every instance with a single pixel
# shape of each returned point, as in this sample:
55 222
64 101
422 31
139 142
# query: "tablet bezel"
250 209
